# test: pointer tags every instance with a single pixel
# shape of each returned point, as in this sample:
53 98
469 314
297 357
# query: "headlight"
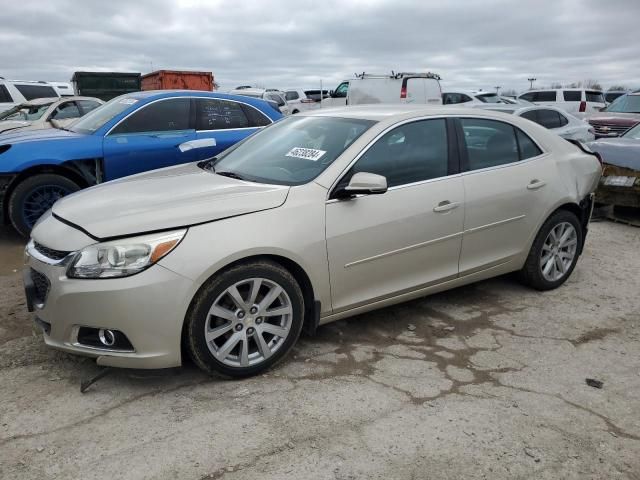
122 258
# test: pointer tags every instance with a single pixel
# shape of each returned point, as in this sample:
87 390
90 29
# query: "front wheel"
554 252
34 196
245 319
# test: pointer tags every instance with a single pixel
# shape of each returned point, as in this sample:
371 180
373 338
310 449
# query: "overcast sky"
296 43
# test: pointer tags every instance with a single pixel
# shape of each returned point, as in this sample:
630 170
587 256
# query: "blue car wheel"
34 196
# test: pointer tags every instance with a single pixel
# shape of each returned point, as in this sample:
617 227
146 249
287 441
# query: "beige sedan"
318 217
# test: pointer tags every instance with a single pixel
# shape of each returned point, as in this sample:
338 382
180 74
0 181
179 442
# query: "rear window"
595 97
572 95
31 92
5 97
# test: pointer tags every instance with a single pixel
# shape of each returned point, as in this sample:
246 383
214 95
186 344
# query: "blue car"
130 134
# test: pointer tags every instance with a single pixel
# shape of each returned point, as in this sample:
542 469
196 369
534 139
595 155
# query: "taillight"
403 92
307 100
583 107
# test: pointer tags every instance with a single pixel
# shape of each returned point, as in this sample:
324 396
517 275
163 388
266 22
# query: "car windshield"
633 133
25 112
95 119
292 151
625 104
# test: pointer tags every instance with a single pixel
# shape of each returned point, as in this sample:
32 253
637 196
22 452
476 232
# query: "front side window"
214 114
548 96
341 91
410 153
292 151
161 116
491 143
31 92
66 111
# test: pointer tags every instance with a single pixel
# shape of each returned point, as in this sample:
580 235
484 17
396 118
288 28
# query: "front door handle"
536 184
446 206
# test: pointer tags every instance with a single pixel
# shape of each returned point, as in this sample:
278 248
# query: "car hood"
163 199
614 118
48 134
12 125
622 152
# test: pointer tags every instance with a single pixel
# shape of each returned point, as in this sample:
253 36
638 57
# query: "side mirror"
363 183
200 143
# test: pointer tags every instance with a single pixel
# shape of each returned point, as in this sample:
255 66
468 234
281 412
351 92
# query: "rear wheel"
245 320
554 252
34 196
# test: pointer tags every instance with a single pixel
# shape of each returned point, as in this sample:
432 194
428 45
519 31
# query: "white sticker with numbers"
306 153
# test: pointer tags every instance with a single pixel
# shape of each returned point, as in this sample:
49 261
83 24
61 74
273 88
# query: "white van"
578 101
15 92
419 88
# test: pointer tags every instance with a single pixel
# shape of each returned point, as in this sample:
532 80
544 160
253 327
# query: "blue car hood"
38 136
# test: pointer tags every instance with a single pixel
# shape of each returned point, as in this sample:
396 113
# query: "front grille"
50 252
41 284
609 129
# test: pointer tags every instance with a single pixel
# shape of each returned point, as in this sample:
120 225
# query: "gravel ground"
485 381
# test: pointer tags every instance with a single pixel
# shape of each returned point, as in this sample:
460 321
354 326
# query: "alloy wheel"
558 251
248 322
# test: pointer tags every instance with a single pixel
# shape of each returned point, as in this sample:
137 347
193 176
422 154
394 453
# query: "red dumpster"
176 79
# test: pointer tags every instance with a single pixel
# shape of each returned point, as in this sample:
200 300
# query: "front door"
506 189
149 139
383 245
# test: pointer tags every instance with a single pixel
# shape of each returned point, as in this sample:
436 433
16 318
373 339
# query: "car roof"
382 112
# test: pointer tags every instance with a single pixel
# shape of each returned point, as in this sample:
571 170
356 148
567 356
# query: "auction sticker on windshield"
306 153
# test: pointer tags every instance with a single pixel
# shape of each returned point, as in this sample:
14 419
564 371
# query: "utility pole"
498 89
531 80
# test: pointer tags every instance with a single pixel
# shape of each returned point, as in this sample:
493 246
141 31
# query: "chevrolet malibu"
315 218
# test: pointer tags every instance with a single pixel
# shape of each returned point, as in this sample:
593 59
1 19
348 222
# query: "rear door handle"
536 184
446 206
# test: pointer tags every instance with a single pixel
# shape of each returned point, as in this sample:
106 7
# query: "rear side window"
549 118
410 153
88 105
65 111
31 92
255 117
214 114
527 96
5 96
455 98
572 95
292 95
594 97
161 116
491 143
530 115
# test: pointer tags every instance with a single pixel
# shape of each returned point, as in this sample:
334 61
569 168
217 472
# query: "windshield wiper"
231 175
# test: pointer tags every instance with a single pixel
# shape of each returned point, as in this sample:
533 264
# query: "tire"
229 331
535 272
34 196
294 112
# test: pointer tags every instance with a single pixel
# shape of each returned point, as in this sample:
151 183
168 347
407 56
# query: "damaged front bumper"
619 186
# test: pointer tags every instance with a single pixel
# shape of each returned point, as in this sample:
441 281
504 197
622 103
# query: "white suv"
298 101
577 101
14 92
468 97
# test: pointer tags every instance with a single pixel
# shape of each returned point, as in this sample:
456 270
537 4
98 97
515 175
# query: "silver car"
316 218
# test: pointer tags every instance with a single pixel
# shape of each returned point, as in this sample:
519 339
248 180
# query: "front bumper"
148 307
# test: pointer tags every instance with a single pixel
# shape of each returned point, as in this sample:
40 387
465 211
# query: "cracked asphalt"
485 381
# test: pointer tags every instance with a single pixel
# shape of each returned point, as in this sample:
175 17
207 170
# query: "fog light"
107 337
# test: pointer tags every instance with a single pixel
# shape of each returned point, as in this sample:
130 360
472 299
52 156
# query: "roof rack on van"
398 75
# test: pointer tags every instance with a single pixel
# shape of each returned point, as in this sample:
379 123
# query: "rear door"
224 123
150 138
595 100
506 183
415 90
407 238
